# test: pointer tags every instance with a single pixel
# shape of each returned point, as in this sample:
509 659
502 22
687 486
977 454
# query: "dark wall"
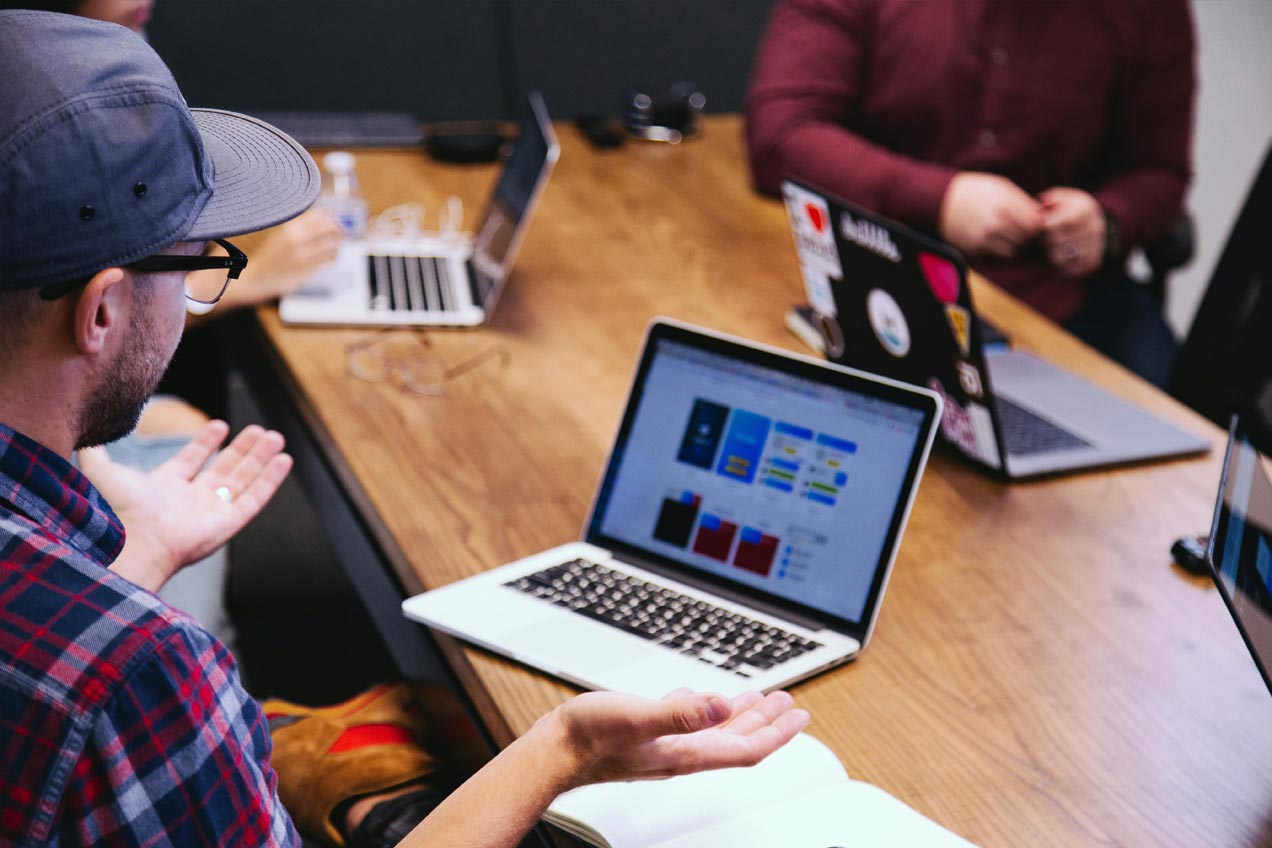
453 59
434 58
582 53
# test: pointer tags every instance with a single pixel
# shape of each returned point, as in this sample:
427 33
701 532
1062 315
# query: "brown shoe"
328 755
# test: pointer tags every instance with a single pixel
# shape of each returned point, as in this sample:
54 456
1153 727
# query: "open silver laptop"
436 281
892 301
740 537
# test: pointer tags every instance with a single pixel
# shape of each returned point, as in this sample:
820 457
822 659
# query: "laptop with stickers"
741 535
891 301
446 280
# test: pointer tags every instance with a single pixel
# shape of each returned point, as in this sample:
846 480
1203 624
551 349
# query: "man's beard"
113 409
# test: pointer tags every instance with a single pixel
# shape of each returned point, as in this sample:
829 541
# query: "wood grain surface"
1040 675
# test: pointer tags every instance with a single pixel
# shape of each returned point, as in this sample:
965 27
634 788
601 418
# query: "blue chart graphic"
743 445
786 456
702 433
836 444
826 476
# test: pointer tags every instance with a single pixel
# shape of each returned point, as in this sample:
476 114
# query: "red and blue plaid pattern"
122 722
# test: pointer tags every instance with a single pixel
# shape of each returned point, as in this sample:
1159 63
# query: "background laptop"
1240 551
436 281
740 537
895 302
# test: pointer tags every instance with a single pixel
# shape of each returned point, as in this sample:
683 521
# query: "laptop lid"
508 213
893 301
764 476
1240 551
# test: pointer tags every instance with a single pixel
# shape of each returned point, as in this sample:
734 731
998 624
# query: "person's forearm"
1151 131
497 806
838 160
1145 202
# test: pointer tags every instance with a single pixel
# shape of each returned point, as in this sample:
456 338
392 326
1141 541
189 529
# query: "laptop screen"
1241 547
501 230
788 481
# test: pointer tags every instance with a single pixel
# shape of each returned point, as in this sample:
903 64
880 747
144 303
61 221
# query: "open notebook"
800 797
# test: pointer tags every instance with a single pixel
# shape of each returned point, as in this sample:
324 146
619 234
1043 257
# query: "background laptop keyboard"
695 628
411 283
1025 433
347 129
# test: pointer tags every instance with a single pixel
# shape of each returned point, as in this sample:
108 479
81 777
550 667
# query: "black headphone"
669 117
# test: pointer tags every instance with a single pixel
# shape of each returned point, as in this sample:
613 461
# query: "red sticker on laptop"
942 276
816 217
813 230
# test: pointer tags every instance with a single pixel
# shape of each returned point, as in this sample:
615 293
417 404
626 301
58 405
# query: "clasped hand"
189 506
989 215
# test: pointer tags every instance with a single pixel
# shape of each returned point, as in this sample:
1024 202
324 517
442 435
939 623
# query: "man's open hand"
181 511
624 737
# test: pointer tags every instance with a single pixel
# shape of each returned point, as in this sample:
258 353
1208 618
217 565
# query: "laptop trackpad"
579 648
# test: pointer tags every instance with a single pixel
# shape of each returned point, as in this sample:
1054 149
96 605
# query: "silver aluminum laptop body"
1114 430
732 493
436 281
895 302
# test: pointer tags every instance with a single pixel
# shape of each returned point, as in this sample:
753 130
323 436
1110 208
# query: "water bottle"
340 194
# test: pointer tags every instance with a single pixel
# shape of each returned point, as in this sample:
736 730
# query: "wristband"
388 822
1112 239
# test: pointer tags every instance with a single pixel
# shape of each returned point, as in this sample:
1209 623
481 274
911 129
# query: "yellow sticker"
961 325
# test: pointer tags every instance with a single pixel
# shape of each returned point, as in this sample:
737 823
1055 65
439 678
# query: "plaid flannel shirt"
122 722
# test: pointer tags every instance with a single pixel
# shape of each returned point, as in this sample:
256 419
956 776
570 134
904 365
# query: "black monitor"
1225 365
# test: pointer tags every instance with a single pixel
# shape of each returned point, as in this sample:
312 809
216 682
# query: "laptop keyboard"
695 628
1025 433
411 283
347 129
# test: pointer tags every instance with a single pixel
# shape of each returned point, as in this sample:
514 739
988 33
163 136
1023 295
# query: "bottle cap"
338 162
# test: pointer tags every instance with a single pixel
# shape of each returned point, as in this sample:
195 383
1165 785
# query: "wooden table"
1041 674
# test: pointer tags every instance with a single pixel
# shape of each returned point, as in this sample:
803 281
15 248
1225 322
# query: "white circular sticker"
888 322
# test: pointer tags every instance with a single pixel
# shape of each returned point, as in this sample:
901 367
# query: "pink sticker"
941 275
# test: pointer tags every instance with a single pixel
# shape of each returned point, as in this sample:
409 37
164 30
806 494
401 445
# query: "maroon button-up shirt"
883 101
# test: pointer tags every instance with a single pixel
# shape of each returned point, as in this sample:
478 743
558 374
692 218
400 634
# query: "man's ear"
99 310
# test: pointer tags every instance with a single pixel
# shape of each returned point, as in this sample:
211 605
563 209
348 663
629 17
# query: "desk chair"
1172 250
1225 365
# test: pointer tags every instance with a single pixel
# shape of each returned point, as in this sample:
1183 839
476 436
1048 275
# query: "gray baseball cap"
102 162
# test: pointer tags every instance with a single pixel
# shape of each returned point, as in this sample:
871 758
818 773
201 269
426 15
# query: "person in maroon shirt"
1042 139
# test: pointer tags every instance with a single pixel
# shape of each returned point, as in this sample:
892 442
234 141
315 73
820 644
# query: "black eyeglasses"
206 292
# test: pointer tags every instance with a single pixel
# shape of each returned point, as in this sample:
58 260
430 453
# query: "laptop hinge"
729 594
474 290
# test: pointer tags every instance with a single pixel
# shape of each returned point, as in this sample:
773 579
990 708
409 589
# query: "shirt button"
998 56
987 138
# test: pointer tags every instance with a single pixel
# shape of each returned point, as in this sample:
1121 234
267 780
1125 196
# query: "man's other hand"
1074 226
285 258
182 511
612 736
988 215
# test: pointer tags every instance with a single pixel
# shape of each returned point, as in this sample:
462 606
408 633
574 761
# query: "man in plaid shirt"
122 722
